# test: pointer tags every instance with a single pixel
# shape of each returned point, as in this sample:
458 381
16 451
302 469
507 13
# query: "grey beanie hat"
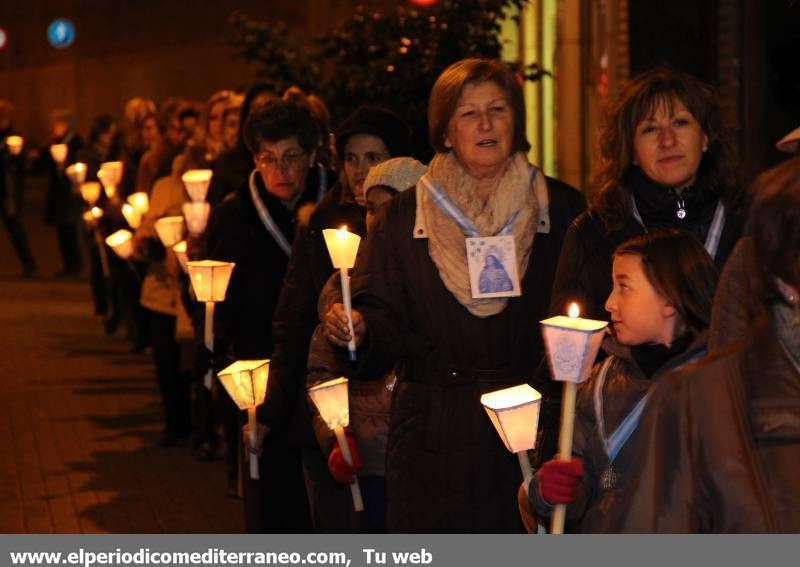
397 173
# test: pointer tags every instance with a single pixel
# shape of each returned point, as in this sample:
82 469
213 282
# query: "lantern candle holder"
131 215
515 414
331 399
169 230
76 173
197 182
110 175
343 249
15 144
59 153
246 384
121 242
140 201
90 191
196 215
210 280
572 344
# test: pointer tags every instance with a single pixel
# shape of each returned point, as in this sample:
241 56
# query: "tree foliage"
388 59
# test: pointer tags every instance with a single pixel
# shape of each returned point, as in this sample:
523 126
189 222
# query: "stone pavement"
80 417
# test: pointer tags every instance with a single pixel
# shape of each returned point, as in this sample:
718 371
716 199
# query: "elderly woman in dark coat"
722 438
447 469
665 164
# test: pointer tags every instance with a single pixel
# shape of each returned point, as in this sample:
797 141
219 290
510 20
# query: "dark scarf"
658 204
652 357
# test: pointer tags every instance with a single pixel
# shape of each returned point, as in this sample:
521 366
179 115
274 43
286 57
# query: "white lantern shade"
88 217
332 402
197 182
515 414
169 230
140 201
342 246
196 215
112 171
109 187
246 382
90 191
180 253
59 153
210 279
97 212
121 242
572 344
76 173
15 144
131 215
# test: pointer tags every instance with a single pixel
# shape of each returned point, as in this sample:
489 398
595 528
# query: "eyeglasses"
290 159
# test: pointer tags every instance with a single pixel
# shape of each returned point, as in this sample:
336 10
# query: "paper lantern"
76 173
197 182
196 215
343 249
121 242
90 191
131 215
169 230
246 383
572 344
210 279
331 399
140 201
110 175
180 252
59 153
15 144
342 246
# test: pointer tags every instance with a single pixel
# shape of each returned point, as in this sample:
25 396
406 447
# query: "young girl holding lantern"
660 307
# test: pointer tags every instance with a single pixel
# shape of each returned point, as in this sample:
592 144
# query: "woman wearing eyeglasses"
255 228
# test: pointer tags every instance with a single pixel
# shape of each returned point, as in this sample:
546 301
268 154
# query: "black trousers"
68 246
19 239
173 384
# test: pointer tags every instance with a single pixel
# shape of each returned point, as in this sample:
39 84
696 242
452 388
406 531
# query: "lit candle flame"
574 310
97 212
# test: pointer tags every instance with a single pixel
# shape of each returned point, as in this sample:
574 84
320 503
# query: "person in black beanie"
367 137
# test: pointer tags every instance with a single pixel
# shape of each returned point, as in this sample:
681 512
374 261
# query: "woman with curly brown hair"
665 164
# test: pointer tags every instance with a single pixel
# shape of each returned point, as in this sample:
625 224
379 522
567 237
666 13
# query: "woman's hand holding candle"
337 327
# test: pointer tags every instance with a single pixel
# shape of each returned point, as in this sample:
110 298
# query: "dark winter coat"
447 469
584 269
296 313
721 443
12 177
242 323
625 384
63 203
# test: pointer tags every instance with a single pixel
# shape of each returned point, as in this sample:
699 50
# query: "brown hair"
639 100
679 268
447 90
774 222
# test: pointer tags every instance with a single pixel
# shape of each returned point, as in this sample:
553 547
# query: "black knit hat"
379 122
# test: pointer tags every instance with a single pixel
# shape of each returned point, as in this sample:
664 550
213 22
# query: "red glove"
340 469
558 480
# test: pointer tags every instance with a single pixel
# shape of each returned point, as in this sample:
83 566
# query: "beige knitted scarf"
446 240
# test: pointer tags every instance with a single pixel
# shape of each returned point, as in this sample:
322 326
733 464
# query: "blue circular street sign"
61 33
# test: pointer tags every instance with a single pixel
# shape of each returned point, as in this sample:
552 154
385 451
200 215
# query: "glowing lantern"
110 175
140 201
59 153
15 144
343 249
169 230
76 173
90 191
331 400
197 182
180 253
210 280
121 243
246 383
131 215
196 215
515 414
572 344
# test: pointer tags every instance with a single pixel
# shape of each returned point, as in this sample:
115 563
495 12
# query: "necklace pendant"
681 213
608 480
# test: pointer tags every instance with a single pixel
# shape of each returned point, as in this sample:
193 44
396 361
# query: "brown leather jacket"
721 443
